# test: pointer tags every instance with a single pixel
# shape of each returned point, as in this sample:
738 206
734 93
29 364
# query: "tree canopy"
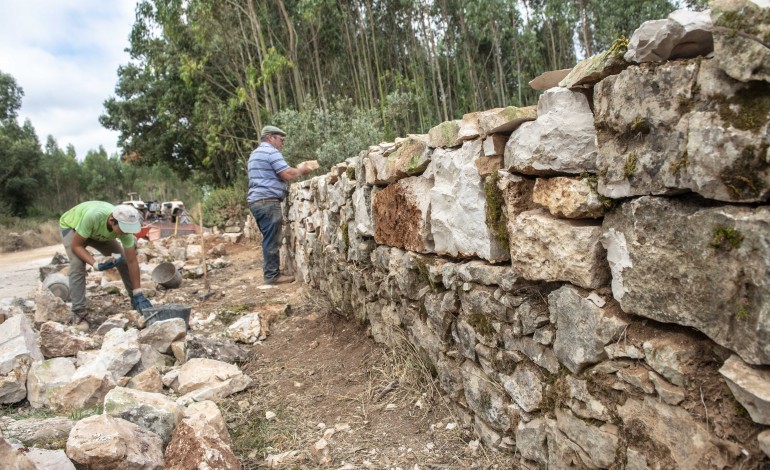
206 75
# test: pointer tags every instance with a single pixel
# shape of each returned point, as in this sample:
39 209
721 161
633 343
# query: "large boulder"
680 127
675 261
105 442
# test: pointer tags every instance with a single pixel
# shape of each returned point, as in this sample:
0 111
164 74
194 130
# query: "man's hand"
140 302
110 263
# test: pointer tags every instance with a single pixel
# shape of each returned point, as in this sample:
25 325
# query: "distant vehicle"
173 210
136 201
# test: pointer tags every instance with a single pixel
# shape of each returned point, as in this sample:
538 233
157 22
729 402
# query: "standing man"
98 224
268 174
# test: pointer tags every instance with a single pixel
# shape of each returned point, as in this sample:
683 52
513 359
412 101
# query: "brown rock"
199 447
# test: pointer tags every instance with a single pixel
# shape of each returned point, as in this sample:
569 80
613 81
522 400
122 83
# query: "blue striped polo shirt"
265 162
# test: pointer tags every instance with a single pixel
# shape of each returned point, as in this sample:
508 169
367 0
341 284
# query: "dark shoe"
80 322
282 279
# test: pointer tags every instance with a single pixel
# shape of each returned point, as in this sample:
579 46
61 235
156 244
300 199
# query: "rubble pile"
154 390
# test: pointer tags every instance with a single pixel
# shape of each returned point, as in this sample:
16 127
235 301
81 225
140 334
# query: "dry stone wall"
587 279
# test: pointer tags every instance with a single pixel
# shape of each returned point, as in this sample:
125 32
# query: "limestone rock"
544 248
13 457
49 307
401 215
583 329
458 188
37 431
105 442
504 120
152 411
597 67
224 350
494 145
525 386
665 425
161 334
469 127
741 36
750 386
598 444
246 329
362 206
208 379
445 134
670 355
683 34
45 376
707 268
57 340
560 140
686 127
531 440
483 398
195 444
148 380
582 403
208 412
570 198
18 350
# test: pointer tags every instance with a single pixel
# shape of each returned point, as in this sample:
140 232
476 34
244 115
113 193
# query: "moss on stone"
351 172
494 215
743 313
630 166
593 183
640 125
680 164
481 325
745 178
345 235
748 20
726 237
748 109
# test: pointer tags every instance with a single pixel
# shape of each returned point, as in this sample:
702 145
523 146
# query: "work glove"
140 302
110 263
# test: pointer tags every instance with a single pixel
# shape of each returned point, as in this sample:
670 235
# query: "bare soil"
322 376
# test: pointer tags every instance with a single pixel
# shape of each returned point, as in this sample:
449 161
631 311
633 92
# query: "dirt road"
19 271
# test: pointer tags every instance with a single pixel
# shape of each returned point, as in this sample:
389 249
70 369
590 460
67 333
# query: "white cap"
129 219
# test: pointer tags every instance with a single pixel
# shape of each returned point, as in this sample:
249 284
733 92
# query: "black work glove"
110 263
139 302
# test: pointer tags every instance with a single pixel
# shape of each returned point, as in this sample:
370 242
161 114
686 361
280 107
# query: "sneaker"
282 279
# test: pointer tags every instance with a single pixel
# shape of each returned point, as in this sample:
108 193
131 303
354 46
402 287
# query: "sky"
65 55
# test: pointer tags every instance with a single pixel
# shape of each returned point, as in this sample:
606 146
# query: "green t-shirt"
89 220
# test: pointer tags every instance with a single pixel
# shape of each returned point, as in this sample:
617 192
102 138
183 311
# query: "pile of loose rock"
154 389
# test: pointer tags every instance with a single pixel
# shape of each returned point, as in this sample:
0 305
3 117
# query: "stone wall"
588 279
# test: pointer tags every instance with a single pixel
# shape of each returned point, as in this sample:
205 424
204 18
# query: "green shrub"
225 206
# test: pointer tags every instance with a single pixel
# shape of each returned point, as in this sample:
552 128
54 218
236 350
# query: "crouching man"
99 225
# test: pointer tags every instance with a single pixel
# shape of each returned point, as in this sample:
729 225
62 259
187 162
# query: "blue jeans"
269 219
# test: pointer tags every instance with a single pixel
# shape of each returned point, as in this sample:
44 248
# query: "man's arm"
133 267
293 173
78 247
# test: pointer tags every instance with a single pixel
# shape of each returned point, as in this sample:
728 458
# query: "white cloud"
65 55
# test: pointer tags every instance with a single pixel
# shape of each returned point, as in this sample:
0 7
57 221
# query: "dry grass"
27 234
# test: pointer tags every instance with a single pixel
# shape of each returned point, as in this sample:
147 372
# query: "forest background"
205 75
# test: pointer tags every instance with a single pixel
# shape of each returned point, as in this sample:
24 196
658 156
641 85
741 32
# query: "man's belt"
269 199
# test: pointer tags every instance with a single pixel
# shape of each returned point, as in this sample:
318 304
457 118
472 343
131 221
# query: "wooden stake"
203 251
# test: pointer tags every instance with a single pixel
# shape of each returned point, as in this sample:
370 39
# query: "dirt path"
321 376
19 271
